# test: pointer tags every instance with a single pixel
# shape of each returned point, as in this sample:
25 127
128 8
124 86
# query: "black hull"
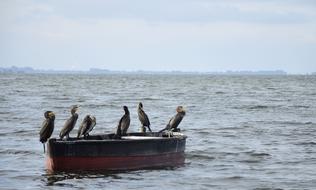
103 152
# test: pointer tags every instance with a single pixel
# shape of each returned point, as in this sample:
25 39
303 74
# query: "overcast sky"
164 35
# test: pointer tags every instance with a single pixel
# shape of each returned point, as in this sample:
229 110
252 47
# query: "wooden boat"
104 152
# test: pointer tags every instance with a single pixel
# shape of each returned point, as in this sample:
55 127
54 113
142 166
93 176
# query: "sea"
244 132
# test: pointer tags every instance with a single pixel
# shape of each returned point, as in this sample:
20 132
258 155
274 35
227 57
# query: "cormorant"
93 123
47 127
175 120
70 123
86 126
123 123
143 118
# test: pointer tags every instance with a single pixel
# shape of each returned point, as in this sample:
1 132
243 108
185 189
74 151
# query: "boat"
105 152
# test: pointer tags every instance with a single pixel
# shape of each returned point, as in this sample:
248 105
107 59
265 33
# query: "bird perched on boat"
175 120
123 123
86 126
70 123
94 122
47 127
143 118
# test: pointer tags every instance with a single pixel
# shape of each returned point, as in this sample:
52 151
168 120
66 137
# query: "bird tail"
167 127
44 147
149 129
162 130
78 135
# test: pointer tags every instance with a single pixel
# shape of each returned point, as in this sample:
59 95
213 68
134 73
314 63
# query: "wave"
300 106
13 151
199 157
296 123
203 132
258 107
267 188
234 177
259 154
150 98
306 143
249 161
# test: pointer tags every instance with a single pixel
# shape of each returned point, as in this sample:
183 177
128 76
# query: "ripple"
306 143
199 157
300 106
250 161
259 154
258 107
234 177
14 151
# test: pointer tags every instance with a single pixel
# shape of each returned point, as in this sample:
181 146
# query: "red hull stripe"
114 163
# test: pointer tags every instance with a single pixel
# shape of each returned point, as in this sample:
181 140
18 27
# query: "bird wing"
175 121
44 126
68 126
125 122
46 130
86 127
147 122
170 122
143 118
93 123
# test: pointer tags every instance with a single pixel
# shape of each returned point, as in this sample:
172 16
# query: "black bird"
86 126
123 123
47 127
70 123
175 120
143 118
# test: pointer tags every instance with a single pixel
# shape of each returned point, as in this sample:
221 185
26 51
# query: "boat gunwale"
83 141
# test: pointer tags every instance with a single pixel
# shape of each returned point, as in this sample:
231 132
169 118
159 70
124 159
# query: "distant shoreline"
30 70
96 71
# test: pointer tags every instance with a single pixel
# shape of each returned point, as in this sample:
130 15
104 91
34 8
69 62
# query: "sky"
164 35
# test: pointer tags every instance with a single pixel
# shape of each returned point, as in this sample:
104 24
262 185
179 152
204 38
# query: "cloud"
179 33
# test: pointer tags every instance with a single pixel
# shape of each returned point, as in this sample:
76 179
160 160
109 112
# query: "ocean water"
244 132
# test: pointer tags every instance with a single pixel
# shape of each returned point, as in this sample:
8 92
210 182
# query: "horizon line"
29 69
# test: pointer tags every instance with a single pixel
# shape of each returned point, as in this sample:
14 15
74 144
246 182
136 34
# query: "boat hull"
106 153
115 162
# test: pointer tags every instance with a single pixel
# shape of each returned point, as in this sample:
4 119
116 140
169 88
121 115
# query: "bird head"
49 114
180 109
46 114
125 109
74 108
86 118
140 105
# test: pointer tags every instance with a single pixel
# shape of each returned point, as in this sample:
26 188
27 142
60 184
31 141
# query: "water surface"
244 132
